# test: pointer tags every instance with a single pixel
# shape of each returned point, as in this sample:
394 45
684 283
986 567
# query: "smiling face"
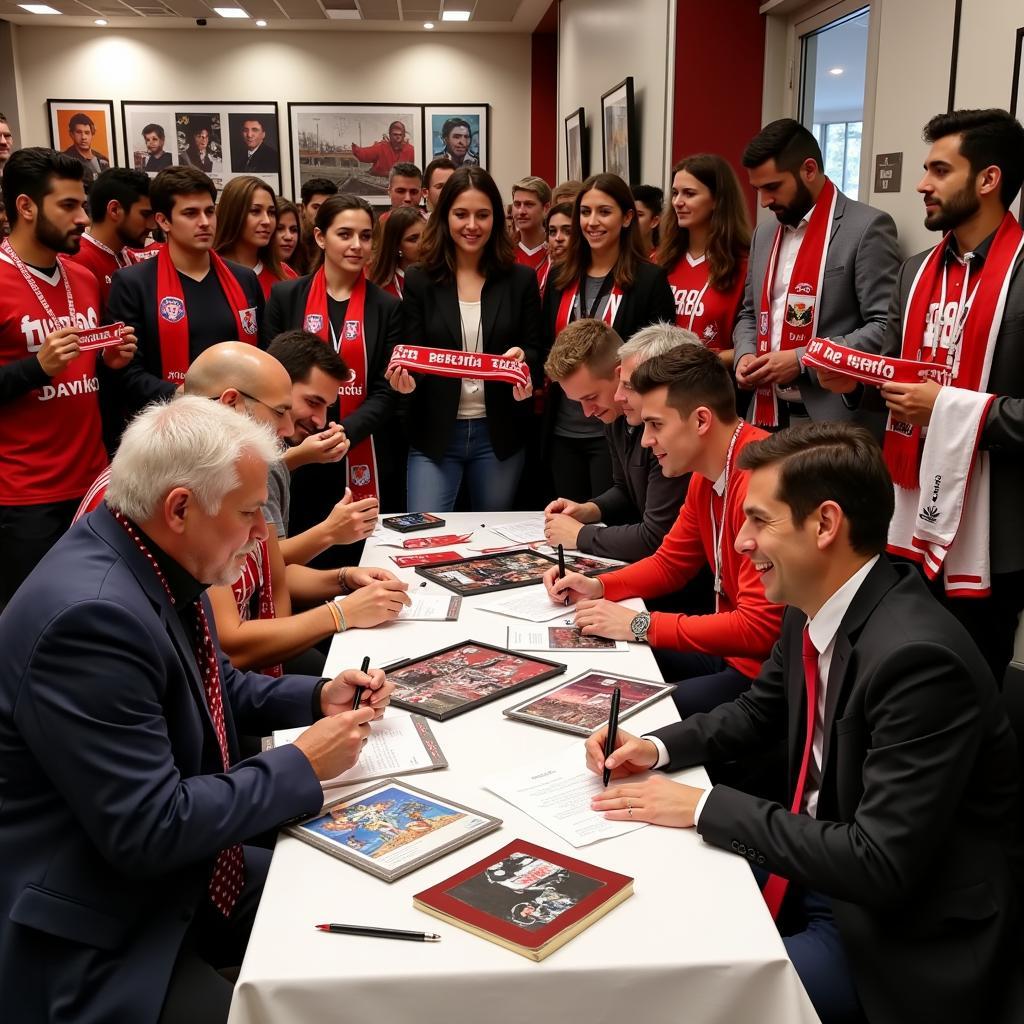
253 134
471 221
692 201
948 186
348 241
261 219
674 440
595 394
629 400
311 399
602 221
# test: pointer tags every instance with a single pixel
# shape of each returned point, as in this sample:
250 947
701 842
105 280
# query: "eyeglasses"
279 413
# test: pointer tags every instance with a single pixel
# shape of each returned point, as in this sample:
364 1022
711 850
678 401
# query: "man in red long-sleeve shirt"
690 424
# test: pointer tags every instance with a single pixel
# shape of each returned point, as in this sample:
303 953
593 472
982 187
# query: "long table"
695 942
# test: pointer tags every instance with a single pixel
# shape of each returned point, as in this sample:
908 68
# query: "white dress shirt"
792 239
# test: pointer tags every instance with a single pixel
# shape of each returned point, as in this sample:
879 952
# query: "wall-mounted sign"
888 170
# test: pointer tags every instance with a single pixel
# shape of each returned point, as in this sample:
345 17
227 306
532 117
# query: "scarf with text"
825 354
446 362
800 323
172 316
255 578
351 346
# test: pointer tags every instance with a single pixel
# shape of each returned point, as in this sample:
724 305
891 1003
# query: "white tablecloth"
694 944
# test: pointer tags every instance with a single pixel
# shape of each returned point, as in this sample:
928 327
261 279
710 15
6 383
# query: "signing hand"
604 618
658 800
562 529
338 694
375 603
912 403
575 586
332 745
363 577
400 379
631 756
118 358
58 350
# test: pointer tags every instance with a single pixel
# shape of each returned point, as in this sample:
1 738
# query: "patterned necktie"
775 888
229 868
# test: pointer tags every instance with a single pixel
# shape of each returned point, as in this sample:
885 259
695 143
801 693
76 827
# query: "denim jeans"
434 486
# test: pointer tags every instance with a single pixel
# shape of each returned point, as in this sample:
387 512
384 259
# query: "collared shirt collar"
824 626
980 250
719 485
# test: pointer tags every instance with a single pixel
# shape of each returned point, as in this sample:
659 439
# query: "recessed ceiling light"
835 71
100 21
428 24
261 23
230 12
38 9
455 15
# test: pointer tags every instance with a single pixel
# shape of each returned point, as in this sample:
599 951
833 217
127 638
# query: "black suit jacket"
916 838
315 488
648 301
510 316
263 161
1003 434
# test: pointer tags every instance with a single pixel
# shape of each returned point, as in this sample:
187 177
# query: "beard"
134 241
954 211
792 214
228 574
49 235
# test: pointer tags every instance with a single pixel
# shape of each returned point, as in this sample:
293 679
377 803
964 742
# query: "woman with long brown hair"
398 249
286 236
467 293
704 249
605 275
246 221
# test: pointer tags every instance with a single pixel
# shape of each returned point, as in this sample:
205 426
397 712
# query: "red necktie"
229 868
775 888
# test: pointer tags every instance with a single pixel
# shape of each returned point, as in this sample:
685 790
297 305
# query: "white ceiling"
358 15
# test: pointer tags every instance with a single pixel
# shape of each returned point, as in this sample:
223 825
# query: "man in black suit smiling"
893 873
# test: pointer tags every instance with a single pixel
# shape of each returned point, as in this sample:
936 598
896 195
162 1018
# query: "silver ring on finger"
629 808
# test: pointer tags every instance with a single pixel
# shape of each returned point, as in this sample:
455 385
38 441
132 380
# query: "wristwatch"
638 626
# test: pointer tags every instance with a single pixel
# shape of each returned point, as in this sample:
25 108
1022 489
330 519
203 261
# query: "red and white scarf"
942 484
800 323
255 576
570 307
362 458
446 362
172 316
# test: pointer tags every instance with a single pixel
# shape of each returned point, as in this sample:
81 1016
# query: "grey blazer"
860 274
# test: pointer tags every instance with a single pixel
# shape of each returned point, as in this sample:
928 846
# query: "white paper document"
530 603
558 795
433 607
558 636
398 745
522 531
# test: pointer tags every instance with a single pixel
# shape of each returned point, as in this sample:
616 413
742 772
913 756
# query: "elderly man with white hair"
124 806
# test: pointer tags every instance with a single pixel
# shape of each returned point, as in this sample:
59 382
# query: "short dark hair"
125 186
785 141
828 461
565 209
404 169
178 181
317 187
30 172
154 129
299 352
437 164
651 196
455 122
987 137
339 204
694 376
260 119
77 119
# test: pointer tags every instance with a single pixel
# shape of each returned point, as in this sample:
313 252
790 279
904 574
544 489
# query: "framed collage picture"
84 129
226 140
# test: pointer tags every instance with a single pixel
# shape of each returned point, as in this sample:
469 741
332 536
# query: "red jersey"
51 447
746 624
396 285
537 260
706 311
267 280
102 262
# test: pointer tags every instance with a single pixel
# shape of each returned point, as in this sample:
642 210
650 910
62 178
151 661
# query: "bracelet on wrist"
342 624
343 579
333 609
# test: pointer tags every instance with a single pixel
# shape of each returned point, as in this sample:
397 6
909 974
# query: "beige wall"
600 43
301 67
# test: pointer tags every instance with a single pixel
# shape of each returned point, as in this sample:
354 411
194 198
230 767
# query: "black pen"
359 689
613 728
378 933
561 569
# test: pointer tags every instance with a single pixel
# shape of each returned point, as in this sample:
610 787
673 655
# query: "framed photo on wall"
577 152
619 141
459 131
355 145
1017 98
226 140
84 129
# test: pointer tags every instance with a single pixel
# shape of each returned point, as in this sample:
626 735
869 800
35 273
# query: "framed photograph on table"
577 152
457 679
224 140
84 129
619 141
355 145
484 574
393 828
581 705
460 132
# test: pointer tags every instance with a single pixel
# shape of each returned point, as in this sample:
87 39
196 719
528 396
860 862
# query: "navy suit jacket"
113 799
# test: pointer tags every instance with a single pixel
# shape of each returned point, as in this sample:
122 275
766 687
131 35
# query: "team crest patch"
314 323
351 330
172 309
248 318
799 310
764 323
361 475
709 334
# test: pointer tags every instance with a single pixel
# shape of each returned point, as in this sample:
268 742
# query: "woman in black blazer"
326 303
468 293
605 275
